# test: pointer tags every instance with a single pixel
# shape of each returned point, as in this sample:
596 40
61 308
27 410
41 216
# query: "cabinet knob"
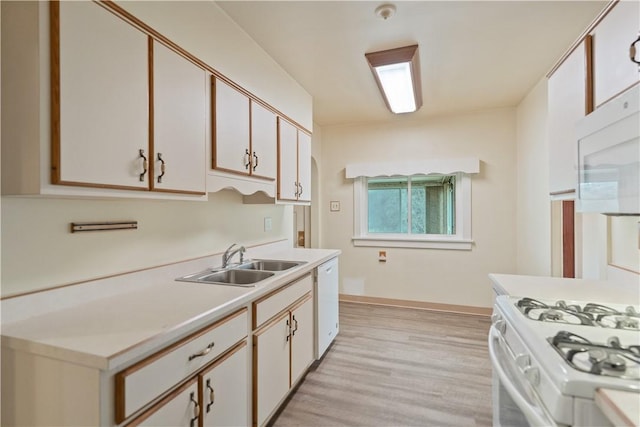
162 168
247 159
255 164
145 164
196 410
632 51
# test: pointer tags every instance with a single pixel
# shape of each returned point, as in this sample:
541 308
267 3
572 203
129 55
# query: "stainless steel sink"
247 274
234 277
269 265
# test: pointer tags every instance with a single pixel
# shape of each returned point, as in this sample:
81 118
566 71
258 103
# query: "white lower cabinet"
283 350
225 396
180 408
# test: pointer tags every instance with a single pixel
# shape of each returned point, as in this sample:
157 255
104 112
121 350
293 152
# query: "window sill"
412 242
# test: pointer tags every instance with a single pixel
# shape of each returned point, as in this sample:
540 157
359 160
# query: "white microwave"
609 157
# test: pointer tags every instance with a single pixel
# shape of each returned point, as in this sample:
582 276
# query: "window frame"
461 240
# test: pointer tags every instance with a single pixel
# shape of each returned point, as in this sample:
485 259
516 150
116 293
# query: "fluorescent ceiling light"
397 75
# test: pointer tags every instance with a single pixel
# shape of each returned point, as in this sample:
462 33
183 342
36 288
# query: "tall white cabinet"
566 105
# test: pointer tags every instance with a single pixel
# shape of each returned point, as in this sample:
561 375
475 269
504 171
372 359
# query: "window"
424 211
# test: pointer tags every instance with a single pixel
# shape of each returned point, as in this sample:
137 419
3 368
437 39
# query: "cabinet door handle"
295 328
196 410
247 159
632 50
203 352
162 168
300 193
297 188
288 330
145 164
255 165
212 396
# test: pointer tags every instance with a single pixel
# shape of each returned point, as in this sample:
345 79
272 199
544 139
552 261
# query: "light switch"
334 206
267 223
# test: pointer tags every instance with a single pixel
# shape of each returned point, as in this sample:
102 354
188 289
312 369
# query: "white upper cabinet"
245 134
304 166
231 129
566 105
264 140
179 123
103 99
294 159
288 160
613 71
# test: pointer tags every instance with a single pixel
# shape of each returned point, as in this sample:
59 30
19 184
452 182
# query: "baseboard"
422 305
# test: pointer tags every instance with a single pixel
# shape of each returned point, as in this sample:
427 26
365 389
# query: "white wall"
440 276
532 194
39 251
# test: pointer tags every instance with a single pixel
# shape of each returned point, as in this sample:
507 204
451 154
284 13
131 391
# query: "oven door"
515 403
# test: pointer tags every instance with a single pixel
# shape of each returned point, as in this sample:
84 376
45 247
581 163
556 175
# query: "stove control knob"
532 374
501 326
523 361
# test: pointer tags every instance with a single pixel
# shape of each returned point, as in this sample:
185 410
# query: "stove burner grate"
590 314
610 359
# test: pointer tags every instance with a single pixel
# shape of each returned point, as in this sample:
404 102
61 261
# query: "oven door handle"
534 414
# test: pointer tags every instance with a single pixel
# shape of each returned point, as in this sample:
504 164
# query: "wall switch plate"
334 206
267 223
382 256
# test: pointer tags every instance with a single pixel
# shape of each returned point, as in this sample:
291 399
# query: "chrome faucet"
228 254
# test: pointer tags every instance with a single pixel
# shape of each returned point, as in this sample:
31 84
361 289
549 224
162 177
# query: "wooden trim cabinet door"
301 339
100 114
264 141
179 123
230 129
225 396
287 161
271 367
304 166
613 71
181 408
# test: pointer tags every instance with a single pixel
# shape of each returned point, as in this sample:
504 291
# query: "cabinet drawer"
270 305
141 383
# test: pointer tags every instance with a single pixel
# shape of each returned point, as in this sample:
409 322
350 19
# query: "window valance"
466 165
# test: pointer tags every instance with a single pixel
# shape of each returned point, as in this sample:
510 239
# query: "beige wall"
532 194
441 276
38 250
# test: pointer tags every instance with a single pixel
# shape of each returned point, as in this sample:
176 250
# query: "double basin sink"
246 274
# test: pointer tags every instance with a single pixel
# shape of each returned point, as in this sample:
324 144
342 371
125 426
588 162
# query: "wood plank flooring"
394 366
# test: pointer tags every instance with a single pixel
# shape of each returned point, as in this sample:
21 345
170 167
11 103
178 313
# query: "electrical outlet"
267 223
382 256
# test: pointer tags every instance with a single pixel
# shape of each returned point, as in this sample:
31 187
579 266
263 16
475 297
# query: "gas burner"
610 359
590 314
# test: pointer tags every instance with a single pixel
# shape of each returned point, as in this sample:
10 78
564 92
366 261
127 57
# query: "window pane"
387 210
433 204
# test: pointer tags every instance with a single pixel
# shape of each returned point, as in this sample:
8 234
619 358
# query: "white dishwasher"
327 324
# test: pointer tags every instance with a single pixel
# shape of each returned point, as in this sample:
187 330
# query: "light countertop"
557 288
134 315
621 407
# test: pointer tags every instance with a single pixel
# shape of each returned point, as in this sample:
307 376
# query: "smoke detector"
385 11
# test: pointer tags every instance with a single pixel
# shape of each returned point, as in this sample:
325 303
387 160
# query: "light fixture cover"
397 74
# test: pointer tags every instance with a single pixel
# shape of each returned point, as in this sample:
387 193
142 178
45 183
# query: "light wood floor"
398 367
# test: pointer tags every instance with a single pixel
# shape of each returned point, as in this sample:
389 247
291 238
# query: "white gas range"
550 357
